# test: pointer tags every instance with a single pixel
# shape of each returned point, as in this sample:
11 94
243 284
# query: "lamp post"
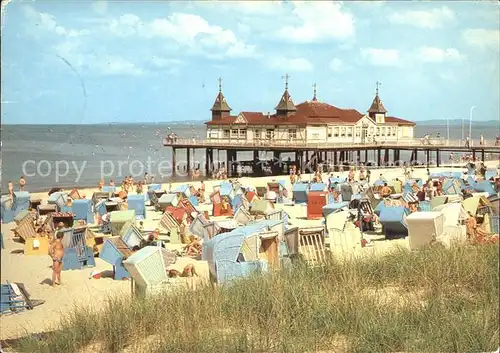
447 130
470 121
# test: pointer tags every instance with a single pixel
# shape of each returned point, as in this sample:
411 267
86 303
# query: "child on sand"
56 252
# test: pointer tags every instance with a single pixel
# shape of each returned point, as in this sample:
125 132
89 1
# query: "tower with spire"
220 109
315 99
377 110
285 107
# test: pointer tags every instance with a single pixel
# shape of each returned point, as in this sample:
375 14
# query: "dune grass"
436 300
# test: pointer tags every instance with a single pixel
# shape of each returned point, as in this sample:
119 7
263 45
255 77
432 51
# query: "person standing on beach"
467 142
22 183
56 252
481 140
11 188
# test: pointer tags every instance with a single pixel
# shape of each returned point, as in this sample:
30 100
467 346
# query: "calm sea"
87 151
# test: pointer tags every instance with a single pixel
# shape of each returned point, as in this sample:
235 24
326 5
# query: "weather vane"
378 85
286 77
220 84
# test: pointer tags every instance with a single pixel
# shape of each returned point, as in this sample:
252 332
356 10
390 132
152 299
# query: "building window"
270 134
292 133
243 134
342 132
378 131
349 132
330 132
256 134
234 133
226 134
358 131
371 130
335 132
383 131
394 130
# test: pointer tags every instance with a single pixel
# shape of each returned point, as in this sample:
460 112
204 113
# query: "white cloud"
319 21
47 23
115 65
435 18
482 38
187 30
249 7
100 6
337 65
290 64
381 57
438 55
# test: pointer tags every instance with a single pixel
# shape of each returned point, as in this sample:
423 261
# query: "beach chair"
346 192
2 246
11 300
484 186
137 203
182 190
151 190
261 191
438 200
109 189
59 199
210 230
7 212
64 217
170 225
46 209
100 195
168 200
393 220
21 215
20 202
312 246
82 208
77 254
424 228
111 206
148 269
261 207
196 226
193 200
153 199
242 216
74 195
25 228
316 200
317 187
131 235
34 203
218 210
268 250
100 208
117 220
334 207
114 251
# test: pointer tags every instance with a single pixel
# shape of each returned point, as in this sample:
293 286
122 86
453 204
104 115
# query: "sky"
84 62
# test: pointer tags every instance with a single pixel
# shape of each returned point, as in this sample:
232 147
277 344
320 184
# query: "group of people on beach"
22 184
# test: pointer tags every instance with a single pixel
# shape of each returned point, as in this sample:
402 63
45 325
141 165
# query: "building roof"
399 121
286 103
306 113
377 106
220 104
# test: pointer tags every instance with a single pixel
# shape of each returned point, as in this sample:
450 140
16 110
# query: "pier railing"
294 144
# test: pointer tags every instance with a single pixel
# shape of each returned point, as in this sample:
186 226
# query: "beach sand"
78 289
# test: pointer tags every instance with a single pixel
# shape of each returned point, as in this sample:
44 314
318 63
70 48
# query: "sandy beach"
79 289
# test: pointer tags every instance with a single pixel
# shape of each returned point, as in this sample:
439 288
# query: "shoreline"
187 179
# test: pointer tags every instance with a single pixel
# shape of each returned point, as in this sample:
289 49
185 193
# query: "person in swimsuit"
56 252
11 188
22 183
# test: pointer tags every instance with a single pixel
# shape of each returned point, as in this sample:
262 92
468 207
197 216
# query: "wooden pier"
310 154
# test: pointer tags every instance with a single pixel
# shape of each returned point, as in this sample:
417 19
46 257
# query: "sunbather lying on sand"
189 271
194 246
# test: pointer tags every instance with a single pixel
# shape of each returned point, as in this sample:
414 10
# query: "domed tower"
220 109
377 110
285 107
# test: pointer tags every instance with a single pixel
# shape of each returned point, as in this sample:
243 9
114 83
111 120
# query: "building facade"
310 122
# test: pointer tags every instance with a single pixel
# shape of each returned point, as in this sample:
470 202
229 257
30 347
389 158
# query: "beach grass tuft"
434 300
